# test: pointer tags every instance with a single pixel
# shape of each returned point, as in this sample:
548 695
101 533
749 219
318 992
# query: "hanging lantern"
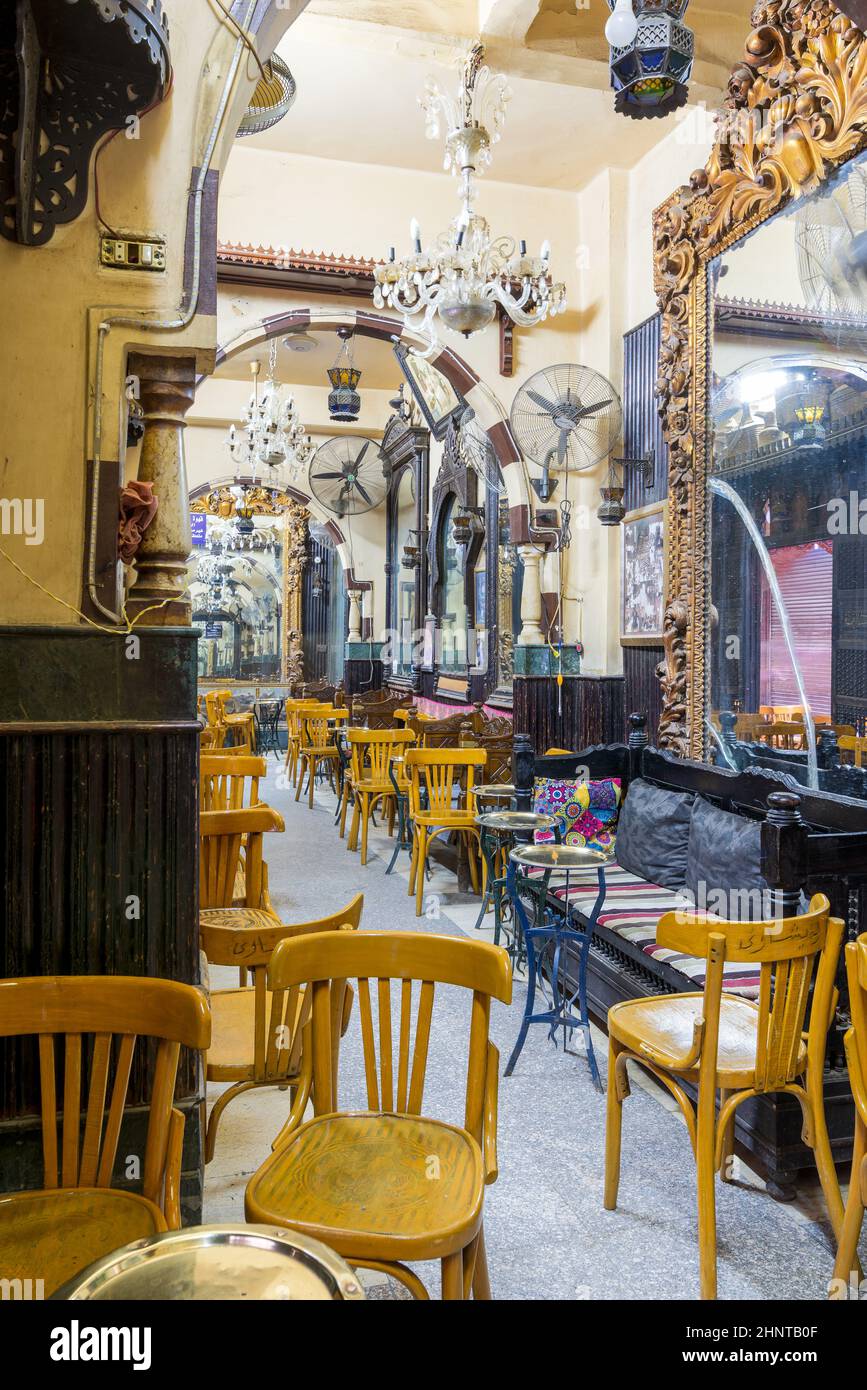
649 70
344 402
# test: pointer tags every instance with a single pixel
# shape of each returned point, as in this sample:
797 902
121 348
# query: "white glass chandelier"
466 273
271 443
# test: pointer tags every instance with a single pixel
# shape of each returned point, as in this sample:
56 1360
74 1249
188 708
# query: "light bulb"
415 233
622 26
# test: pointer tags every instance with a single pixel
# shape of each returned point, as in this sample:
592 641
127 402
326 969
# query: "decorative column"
166 386
531 598
354 615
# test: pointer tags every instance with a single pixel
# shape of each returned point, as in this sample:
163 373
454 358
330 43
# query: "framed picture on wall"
438 400
643 575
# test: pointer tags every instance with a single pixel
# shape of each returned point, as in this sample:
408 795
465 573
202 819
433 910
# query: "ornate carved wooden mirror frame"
798 102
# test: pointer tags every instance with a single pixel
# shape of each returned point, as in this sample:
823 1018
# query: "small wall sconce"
467 524
411 558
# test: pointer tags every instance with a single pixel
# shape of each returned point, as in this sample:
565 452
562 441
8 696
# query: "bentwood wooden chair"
79 1215
389 1185
723 1043
228 784
295 709
318 746
227 880
846 1266
851 743
241 724
441 802
252 1044
372 751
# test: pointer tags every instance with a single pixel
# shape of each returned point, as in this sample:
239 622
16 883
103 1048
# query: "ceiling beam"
507 19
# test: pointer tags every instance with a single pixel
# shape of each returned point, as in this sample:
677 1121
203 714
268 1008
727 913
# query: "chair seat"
374 788
233 1013
665 1022
394 1187
256 918
447 820
52 1235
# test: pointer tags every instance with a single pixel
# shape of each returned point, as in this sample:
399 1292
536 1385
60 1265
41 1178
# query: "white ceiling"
357 100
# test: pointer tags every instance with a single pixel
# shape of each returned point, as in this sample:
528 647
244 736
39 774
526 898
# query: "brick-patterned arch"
488 410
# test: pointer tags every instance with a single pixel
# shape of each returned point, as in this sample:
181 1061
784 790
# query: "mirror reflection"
787 492
235 579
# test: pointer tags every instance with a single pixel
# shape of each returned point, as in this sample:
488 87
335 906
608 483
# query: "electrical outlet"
133 253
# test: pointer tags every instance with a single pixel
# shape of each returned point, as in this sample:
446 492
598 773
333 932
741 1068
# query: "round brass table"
496 830
230 1262
550 938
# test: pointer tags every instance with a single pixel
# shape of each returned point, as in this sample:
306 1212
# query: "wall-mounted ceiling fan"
349 475
565 418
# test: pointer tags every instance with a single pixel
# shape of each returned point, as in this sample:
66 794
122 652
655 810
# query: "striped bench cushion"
632 908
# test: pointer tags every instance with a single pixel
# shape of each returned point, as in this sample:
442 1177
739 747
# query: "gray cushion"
723 872
653 833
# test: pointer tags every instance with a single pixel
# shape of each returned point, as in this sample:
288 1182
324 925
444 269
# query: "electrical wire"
100 627
242 34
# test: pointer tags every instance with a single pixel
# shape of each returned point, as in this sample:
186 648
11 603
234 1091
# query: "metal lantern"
344 402
650 74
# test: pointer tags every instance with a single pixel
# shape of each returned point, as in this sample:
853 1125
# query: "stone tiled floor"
548 1236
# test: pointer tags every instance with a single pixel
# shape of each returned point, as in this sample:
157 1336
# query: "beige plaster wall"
55 296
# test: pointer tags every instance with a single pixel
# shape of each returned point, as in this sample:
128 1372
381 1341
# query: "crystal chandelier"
466 274
271 438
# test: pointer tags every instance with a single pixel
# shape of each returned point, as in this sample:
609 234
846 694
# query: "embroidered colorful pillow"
586 811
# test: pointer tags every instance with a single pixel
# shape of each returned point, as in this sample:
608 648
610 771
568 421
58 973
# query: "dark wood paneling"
642 427
361 677
592 710
642 690
98 826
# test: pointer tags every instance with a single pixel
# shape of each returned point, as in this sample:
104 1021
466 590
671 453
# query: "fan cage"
271 101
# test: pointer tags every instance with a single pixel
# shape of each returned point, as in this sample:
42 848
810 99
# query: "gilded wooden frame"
797 105
265 502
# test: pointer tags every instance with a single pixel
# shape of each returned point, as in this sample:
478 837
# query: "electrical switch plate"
133 253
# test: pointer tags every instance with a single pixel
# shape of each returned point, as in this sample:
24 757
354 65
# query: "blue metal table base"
554 931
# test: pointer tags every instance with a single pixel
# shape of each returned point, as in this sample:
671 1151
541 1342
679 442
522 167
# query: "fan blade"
540 400
361 454
363 492
321 476
590 410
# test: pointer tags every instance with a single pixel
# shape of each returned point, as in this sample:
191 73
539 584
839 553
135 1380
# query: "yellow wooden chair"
372 751
846 1265
294 710
228 784
242 725
721 1042
251 1045
318 745
388 1185
79 1216
232 871
443 811
851 743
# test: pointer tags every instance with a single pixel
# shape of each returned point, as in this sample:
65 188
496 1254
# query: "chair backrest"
437 770
318 725
378 714
443 733
372 751
222 834
277 1039
856 1037
228 783
498 749
786 950
396 1084
851 743
116 1010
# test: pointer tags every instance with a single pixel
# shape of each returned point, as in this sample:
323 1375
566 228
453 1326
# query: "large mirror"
236 583
786 621
761 272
